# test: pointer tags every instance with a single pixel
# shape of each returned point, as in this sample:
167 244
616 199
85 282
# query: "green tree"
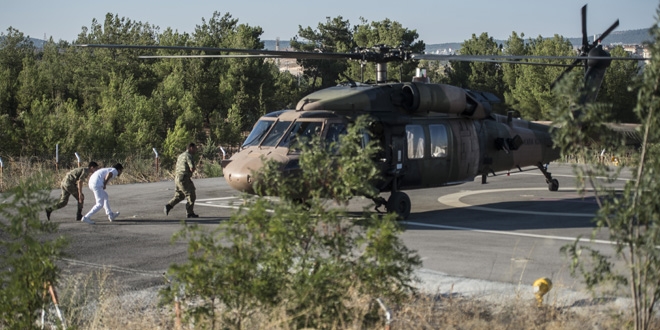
475 75
15 48
40 130
307 257
68 127
515 45
391 34
121 62
287 90
28 258
531 93
231 92
618 88
204 77
334 36
249 81
631 217
186 129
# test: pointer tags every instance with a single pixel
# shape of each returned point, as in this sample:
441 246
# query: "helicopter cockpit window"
438 140
257 133
275 134
301 131
415 139
335 131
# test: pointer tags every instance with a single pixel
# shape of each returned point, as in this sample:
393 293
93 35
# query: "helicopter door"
437 165
427 156
398 157
415 154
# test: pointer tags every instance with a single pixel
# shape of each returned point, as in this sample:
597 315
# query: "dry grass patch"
94 301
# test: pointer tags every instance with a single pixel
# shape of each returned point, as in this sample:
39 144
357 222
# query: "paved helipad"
508 231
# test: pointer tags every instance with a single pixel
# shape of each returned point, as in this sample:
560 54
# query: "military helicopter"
431 135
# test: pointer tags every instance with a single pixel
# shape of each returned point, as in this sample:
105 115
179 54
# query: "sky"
435 21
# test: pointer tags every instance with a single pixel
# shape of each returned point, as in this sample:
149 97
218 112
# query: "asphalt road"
472 237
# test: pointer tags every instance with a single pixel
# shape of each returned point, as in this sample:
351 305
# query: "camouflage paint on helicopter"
430 135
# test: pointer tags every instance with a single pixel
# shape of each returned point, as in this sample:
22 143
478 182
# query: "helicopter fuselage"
430 135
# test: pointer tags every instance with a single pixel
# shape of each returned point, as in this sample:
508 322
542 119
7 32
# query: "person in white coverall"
97 183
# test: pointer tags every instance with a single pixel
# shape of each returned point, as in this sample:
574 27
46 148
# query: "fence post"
224 153
177 304
77 157
388 313
157 160
57 155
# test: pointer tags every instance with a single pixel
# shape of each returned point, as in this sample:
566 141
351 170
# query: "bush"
27 260
307 258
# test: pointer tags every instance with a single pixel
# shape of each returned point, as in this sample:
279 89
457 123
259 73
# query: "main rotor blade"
210 56
523 63
273 53
483 58
365 55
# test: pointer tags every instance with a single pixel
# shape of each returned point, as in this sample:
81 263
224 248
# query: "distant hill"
39 43
630 37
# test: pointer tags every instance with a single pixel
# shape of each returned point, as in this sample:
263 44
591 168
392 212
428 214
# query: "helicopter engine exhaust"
423 99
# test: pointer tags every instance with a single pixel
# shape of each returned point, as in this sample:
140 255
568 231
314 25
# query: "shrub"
27 259
302 252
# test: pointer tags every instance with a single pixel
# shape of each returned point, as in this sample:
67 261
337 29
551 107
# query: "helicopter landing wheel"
553 185
399 203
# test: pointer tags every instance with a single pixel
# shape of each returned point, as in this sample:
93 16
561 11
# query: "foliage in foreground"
27 262
114 308
631 217
308 259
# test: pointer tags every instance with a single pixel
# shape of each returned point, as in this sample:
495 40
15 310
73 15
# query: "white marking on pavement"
221 202
216 199
499 232
232 202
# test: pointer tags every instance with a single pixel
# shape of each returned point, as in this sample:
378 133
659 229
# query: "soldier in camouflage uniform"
72 186
185 166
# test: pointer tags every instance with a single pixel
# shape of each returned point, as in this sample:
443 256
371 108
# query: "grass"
136 170
94 301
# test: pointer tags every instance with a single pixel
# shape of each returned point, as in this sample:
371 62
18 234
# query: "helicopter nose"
240 181
240 178
240 172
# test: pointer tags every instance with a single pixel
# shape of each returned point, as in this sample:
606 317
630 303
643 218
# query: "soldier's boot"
189 210
79 215
167 209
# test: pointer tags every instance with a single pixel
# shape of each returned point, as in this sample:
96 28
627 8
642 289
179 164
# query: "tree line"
109 103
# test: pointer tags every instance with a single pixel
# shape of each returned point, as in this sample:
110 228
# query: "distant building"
638 50
634 49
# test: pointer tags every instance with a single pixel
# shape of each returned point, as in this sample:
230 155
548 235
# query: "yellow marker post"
541 286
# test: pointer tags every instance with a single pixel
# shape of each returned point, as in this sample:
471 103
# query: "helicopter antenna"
350 81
